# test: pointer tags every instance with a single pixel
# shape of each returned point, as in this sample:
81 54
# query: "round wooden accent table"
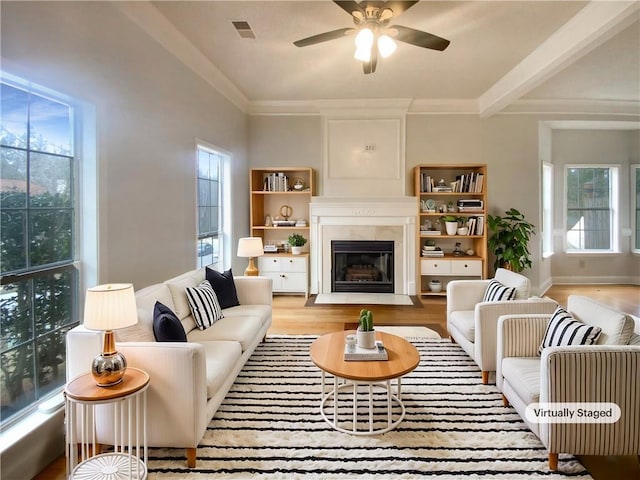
85 402
327 353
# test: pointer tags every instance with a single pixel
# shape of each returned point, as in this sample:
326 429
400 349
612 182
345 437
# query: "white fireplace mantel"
371 218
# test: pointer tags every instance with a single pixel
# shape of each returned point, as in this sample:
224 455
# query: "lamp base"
108 368
252 270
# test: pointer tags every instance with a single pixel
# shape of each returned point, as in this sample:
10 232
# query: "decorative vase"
435 286
451 227
366 339
296 250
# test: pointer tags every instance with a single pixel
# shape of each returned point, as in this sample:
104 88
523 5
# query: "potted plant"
366 335
510 240
296 241
450 223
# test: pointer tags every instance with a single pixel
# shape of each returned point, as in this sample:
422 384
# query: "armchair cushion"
563 330
513 279
166 326
496 292
204 305
617 327
224 286
523 374
465 322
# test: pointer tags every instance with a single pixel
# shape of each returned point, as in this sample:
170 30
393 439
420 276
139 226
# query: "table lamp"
109 307
250 247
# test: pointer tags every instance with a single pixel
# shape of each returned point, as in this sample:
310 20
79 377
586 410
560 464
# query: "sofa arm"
254 290
464 294
518 336
486 324
594 373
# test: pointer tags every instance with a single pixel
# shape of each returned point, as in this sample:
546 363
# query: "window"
39 281
635 205
210 238
547 209
591 208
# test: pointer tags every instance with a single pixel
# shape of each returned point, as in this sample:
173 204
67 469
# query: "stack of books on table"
356 353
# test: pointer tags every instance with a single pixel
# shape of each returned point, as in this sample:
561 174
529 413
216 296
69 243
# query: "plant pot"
366 339
435 286
451 227
296 250
463 231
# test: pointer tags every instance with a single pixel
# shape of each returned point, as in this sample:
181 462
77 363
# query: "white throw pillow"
204 305
497 292
564 330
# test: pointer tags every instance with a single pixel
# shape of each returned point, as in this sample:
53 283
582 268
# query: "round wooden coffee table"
327 353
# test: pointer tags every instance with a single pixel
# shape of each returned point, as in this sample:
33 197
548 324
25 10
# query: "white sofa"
608 371
473 324
188 380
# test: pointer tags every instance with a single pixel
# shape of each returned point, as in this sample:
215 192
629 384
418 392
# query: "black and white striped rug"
269 426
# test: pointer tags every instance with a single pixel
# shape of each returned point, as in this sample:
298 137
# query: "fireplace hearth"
362 266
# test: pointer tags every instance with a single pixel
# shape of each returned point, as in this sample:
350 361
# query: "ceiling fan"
374 35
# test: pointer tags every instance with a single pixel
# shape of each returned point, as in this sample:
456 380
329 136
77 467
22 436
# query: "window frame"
223 207
614 215
30 273
634 190
546 207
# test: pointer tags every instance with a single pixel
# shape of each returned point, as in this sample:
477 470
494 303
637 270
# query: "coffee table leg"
389 420
335 401
355 407
371 407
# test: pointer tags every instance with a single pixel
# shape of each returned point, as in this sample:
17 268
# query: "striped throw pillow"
496 292
564 330
204 305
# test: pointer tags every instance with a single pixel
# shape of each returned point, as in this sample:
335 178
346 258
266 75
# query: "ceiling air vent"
244 29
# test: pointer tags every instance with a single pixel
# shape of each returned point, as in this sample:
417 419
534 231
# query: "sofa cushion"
240 329
497 292
140 332
221 358
224 286
523 374
204 305
166 325
177 287
617 327
563 330
464 321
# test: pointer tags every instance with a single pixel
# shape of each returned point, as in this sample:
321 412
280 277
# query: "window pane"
15 109
15 306
204 220
204 193
17 380
13 240
203 164
214 220
213 186
50 181
50 363
50 126
13 181
214 166
53 303
51 236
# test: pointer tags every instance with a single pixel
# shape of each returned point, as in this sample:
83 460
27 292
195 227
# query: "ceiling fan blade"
419 38
399 6
348 6
323 37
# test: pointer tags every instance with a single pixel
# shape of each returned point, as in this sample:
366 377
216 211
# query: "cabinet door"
469 267
291 264
435 267
293 282
269 264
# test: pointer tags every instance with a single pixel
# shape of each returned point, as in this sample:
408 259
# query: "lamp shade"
110 306
250 247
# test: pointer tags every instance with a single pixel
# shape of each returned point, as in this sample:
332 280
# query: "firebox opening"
362 266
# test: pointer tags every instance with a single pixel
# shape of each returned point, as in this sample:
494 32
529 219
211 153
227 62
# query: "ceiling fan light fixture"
364 39
386 45
363 54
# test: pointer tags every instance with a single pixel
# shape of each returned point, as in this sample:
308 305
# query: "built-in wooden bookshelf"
280 195
456 190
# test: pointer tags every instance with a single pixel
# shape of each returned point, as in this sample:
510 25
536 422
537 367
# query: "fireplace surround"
391 219
362 266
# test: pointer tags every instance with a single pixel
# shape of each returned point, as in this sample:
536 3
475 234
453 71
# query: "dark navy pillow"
166 325
224 286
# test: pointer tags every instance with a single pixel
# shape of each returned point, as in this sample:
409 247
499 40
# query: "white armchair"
606 372
472 323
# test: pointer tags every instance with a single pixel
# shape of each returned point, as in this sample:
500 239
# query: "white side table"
129 456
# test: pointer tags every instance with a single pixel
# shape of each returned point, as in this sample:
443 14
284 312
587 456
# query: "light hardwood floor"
291 316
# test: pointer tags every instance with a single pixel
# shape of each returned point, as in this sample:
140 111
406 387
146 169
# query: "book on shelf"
433 253
356 353
430 232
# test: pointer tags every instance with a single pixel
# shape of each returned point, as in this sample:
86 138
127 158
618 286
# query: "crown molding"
573 106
